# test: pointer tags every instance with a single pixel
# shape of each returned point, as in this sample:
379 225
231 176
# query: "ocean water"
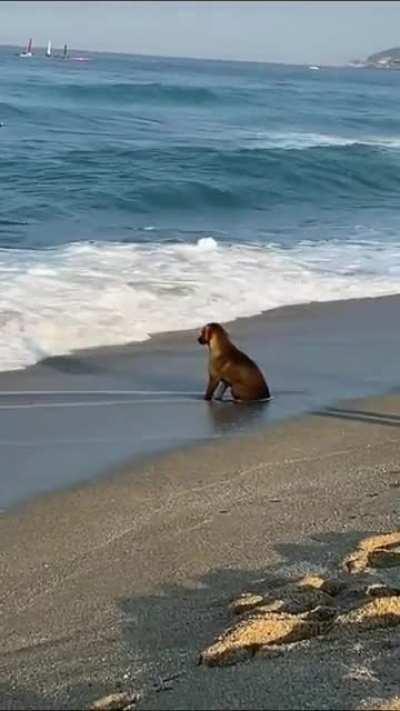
141 195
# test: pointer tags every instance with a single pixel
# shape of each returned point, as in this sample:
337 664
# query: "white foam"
91 294
301 141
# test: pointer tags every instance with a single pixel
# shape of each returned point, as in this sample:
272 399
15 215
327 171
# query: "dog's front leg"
213 383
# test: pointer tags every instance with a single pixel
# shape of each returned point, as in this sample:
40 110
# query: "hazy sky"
322 32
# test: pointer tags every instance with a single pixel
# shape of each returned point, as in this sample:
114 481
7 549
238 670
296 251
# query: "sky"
286 31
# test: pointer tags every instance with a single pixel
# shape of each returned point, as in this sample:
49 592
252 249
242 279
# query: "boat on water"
314 68
48 50
65 51
27 52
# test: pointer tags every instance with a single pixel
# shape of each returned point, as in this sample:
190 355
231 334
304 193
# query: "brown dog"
230 368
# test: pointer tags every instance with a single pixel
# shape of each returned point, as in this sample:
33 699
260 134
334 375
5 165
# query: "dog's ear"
207 333
202 338
215 329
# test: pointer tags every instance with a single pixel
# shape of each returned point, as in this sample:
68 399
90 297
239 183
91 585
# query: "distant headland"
386 59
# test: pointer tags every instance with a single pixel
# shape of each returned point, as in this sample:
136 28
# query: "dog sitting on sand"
230 368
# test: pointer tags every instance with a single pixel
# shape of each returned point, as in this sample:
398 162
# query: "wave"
158 179
132 92
9 110
256 178
55 301
301 141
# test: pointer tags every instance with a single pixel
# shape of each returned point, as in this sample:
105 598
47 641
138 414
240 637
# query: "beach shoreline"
122 582
71 418
240 325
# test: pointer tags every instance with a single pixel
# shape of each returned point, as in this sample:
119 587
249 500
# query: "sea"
144 194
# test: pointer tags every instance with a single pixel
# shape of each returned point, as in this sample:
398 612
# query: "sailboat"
48 50
65 53
27 52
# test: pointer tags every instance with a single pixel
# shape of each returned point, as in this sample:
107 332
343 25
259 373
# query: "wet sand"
120 584
70 419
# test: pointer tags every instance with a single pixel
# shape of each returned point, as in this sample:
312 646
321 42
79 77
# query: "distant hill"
393 53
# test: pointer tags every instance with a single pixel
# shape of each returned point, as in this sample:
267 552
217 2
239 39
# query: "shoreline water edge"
95 411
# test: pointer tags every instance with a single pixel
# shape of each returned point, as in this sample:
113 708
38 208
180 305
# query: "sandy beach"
119 584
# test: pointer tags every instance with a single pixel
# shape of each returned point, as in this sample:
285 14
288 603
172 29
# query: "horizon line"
189 58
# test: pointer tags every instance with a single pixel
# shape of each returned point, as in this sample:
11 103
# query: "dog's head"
208 332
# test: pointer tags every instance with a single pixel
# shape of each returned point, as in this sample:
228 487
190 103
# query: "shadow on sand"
365 416
162 634
167 631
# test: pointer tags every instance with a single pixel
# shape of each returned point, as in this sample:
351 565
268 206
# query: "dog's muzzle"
201 341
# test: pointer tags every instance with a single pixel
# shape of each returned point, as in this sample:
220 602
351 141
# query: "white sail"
48 50
28 51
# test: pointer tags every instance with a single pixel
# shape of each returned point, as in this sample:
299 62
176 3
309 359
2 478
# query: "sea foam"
55 301
297 140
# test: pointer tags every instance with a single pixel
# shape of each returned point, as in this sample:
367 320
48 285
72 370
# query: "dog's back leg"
221 390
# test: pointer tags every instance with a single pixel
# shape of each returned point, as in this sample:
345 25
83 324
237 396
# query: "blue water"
154 155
